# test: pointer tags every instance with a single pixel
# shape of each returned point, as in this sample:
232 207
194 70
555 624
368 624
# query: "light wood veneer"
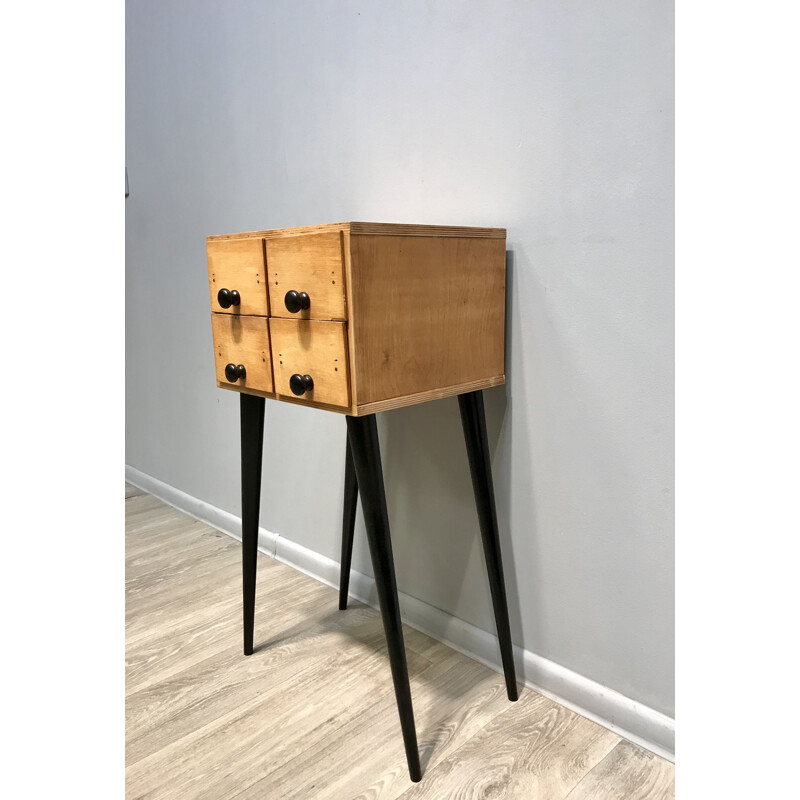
311 347
399 314
238 265
243 340
310 263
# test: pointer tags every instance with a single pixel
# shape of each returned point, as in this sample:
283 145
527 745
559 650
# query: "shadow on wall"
432 513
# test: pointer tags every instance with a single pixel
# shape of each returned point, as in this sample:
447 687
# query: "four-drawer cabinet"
358 317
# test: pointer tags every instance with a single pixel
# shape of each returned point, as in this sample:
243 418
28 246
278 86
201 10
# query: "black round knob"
228 297
296 301
235 371
300 384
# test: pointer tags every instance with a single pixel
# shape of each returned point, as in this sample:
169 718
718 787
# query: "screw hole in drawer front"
310 361
237 276
242 352
306 276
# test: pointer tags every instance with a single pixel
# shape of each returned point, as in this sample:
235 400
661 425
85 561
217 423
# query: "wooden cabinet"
378 315
359 318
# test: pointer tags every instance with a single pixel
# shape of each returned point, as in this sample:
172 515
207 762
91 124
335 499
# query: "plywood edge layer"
283 399
441 231
422 397
370 228
233 388
237 314
313 404
381 405
279 233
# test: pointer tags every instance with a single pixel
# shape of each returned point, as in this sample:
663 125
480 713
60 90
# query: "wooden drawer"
238 265
314 348
243 340
310 263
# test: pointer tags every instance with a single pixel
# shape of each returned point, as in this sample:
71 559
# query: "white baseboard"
628 718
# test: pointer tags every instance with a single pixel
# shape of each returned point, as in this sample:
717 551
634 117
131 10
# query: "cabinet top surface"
373 229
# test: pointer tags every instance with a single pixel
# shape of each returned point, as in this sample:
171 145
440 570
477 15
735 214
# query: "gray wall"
551 119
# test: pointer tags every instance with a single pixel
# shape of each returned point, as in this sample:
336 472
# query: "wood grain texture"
424 307
310 347
439 231
424 397
428 313
243 340
453 699
311 263
348 270
238 264
371 228
629 772
311 714
287 399
278 233
535 748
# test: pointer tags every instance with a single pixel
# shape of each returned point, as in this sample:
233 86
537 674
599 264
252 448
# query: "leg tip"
414 768
513 694
248 650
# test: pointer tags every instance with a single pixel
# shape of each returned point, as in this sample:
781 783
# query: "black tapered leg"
473 420
348 524
252 422
363 435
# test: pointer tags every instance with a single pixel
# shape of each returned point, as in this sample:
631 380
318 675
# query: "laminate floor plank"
185 701
312 714
628 771
174 609
144 510
300 714
154 528
194 634
150 538
177 614
188 585
157 562
452 699
535 748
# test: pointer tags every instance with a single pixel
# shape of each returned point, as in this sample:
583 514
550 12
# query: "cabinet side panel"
428 313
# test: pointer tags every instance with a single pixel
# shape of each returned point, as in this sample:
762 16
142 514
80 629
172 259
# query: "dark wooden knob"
300 384
234 371
296 301
228 297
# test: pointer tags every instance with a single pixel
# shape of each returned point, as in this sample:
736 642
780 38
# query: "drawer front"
313 348
243 340
310 264
238 265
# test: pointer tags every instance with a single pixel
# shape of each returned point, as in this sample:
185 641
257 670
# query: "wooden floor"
311 714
